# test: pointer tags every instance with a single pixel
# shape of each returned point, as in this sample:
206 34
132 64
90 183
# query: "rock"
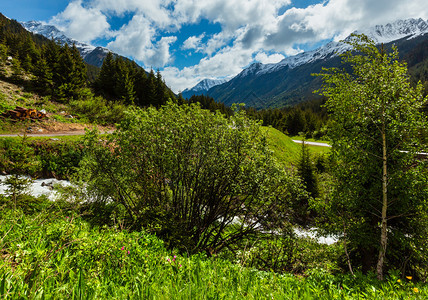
49 185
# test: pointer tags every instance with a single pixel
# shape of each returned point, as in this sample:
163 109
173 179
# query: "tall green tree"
376 132
105 83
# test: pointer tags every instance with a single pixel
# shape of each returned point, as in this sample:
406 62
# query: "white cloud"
153 10
193 42
231 14
249 29
137 40
338 18
269 59
227 62
80 23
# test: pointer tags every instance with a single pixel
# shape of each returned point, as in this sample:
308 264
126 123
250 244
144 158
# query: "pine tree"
43 73
80 72
140 84
105 83
151 89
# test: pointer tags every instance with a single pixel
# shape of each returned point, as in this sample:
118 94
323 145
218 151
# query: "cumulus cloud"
83 24
269 59
251 30
338 18
225 63
193 42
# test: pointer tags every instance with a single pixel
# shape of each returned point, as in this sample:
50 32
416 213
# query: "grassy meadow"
56 254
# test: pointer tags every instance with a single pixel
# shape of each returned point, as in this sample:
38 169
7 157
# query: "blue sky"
189 40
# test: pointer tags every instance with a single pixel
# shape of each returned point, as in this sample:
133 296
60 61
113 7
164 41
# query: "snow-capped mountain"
51 32
410 28
91 54
202 87
290 81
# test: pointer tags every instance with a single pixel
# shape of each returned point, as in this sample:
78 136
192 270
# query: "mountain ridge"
287 82
202 87
91 54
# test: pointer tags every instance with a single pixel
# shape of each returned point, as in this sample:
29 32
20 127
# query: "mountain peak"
202 87
396 30
399 29
51 32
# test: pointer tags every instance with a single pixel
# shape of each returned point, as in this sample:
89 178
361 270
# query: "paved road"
422 154
312 143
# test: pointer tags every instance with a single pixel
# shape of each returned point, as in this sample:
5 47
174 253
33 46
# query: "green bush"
204 180
46 158
98 110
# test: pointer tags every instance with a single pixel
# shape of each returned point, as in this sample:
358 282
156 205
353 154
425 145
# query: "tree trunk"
384 233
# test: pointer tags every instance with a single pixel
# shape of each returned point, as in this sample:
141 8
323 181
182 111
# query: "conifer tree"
140 83
105 83
80 72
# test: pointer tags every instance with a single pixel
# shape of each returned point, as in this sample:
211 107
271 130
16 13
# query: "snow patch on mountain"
410 28
51 32
204 86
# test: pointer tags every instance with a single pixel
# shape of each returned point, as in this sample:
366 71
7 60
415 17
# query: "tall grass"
55 254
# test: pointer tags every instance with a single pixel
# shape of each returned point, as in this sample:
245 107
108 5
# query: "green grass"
55 254
284 149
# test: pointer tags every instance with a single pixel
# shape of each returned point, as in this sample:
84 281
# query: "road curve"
421 154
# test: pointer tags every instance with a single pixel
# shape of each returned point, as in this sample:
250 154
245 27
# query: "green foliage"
376 116
123 80
209 103
204 180
54 254
308 119
98 110
20 164
306 171
43 158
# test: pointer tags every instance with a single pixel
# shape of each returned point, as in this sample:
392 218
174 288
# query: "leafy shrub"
98 109
204 180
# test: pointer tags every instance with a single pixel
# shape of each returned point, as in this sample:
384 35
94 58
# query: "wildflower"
398 280
409 277
128 252
416 290
175 256
123 248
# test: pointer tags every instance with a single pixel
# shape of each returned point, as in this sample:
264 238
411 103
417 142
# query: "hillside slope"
285 151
